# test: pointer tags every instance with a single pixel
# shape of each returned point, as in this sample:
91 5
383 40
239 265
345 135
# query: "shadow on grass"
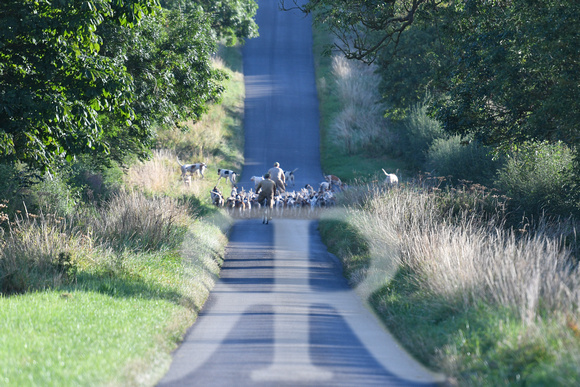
197 206
129 286
120 282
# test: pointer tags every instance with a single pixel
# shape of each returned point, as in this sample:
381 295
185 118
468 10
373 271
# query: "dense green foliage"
515 72
416 134
53 82
471 54
504 76
98 77
473 161
540 178
104 274
455 258
230 19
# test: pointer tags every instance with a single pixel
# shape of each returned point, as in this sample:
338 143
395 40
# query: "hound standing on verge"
192 168
390 178
227 174
334 181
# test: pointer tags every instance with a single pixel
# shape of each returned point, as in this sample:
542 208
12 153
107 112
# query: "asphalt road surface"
281 107
282 314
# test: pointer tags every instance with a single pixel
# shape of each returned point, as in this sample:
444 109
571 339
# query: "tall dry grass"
360 123
196 141
158 174
162 175
466 258
39 252
134 220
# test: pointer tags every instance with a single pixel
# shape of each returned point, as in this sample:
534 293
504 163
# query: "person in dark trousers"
266 189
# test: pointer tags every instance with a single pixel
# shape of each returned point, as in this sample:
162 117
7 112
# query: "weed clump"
37 253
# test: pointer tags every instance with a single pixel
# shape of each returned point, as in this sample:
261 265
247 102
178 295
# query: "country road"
281 313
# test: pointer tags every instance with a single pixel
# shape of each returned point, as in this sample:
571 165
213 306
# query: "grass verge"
102 297
462 294
117 322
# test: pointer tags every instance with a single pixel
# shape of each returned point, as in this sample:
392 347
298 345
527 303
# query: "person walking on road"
277 175
266 189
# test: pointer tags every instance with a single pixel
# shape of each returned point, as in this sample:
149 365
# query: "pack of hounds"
244 203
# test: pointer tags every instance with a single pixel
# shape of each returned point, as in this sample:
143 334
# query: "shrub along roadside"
465 293
484 305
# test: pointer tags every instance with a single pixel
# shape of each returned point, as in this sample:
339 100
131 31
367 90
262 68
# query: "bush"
468 198
131 220
418 131
28 190
54 195
472 161
96 182
15 181
8 186
538 179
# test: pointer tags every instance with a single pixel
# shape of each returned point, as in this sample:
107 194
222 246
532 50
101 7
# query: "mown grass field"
86 338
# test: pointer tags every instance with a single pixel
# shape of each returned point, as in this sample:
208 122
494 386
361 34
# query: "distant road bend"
282 314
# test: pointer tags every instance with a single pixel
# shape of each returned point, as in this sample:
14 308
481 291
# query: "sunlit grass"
80 337
117 322
353 132
102 297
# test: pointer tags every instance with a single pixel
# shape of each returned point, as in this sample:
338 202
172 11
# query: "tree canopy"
504 71
363 27
231 20
53 83
516 72
95 76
